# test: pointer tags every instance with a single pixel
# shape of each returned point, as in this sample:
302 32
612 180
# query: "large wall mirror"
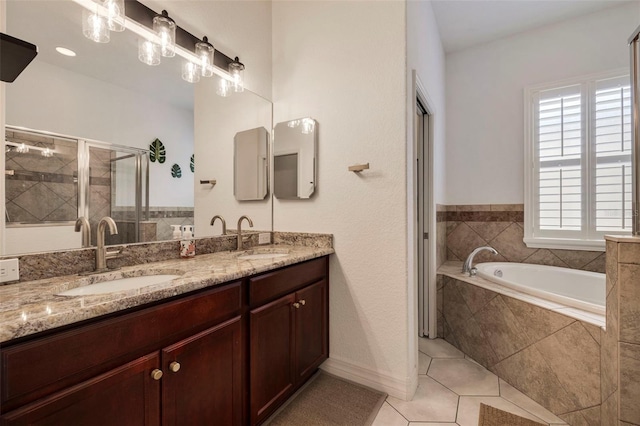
97 114
294 158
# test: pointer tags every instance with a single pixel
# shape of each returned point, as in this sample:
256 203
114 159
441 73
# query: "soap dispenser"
187 244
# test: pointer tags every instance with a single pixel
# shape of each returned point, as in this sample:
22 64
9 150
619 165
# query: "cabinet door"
311 342
202 384
126 395
271 356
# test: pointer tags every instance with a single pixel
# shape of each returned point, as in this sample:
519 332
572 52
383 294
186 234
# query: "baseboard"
399 388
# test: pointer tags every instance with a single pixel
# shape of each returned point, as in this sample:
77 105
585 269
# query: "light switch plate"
9 270
264 238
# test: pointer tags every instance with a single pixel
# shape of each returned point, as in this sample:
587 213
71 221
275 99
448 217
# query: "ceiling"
465 23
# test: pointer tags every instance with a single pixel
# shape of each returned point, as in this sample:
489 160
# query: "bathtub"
570 287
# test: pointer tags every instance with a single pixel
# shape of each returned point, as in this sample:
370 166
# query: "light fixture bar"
31 147
140 22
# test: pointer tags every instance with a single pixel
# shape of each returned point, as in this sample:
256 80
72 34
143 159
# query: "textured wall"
501 227
343 63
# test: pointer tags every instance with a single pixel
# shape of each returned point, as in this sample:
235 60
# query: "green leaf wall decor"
176 172
192 164
157 152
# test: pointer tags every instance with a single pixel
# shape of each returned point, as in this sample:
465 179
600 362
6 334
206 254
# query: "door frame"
427 291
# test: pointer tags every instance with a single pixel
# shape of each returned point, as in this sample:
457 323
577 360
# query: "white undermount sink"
263 254
121 284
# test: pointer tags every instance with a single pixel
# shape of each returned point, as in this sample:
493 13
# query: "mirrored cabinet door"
294 158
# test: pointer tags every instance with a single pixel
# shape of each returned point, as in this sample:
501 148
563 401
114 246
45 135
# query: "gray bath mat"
327 400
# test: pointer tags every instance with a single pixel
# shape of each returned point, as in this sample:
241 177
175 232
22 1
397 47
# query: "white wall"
485 106
343 63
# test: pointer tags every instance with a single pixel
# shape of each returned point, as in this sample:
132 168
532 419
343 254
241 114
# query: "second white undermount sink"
259 256
122 284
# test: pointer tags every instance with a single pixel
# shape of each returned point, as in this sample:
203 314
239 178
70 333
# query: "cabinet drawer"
34 369
267 287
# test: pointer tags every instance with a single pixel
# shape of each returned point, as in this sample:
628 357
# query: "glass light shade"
46 153
190 72
236 69
94 26
165 27
293 123
307 126
204 52
148 52
115 14
22 149
224 88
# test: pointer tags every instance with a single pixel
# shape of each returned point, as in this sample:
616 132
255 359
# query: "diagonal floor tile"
423 363
438 348
388 416
431 403
469 409
464 377
516 397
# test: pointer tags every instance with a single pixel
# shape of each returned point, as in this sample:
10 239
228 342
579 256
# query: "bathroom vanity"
229 353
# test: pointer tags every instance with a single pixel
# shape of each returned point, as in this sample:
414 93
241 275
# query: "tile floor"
450 390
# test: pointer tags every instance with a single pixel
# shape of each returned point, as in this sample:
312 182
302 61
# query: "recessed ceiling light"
66 52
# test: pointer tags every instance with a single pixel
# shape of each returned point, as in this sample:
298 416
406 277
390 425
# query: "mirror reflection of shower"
51 180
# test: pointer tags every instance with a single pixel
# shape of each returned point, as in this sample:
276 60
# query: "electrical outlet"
9 270
264 238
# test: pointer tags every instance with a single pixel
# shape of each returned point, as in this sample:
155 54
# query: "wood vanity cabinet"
289 335
229 355
160 365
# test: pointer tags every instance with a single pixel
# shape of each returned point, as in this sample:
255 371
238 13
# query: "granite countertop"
33 306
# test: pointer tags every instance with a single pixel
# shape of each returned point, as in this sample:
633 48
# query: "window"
578 162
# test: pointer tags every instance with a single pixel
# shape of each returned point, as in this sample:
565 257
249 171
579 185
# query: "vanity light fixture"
190 72
293 124
204 52
165 27
224 88
148 52
159 35
236 69
64 51
115 14
46 153
94 25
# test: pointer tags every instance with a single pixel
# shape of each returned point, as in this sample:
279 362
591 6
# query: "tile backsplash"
462 228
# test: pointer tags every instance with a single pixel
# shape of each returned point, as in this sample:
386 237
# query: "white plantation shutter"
579 151
559 152
611 143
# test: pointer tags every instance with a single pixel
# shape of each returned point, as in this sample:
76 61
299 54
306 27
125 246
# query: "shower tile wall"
561 354
501 227
41 188
99 188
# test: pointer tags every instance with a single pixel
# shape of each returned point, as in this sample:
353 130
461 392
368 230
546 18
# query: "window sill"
566 244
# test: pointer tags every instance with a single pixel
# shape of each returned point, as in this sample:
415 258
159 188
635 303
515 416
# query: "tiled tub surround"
36 266
620 388
548 352
31 307
501 226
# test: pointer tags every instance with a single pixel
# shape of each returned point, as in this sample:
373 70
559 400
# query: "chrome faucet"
467 267
102 255
224 224
240 229
82 224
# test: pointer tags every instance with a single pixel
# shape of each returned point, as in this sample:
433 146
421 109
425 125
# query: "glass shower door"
116 187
